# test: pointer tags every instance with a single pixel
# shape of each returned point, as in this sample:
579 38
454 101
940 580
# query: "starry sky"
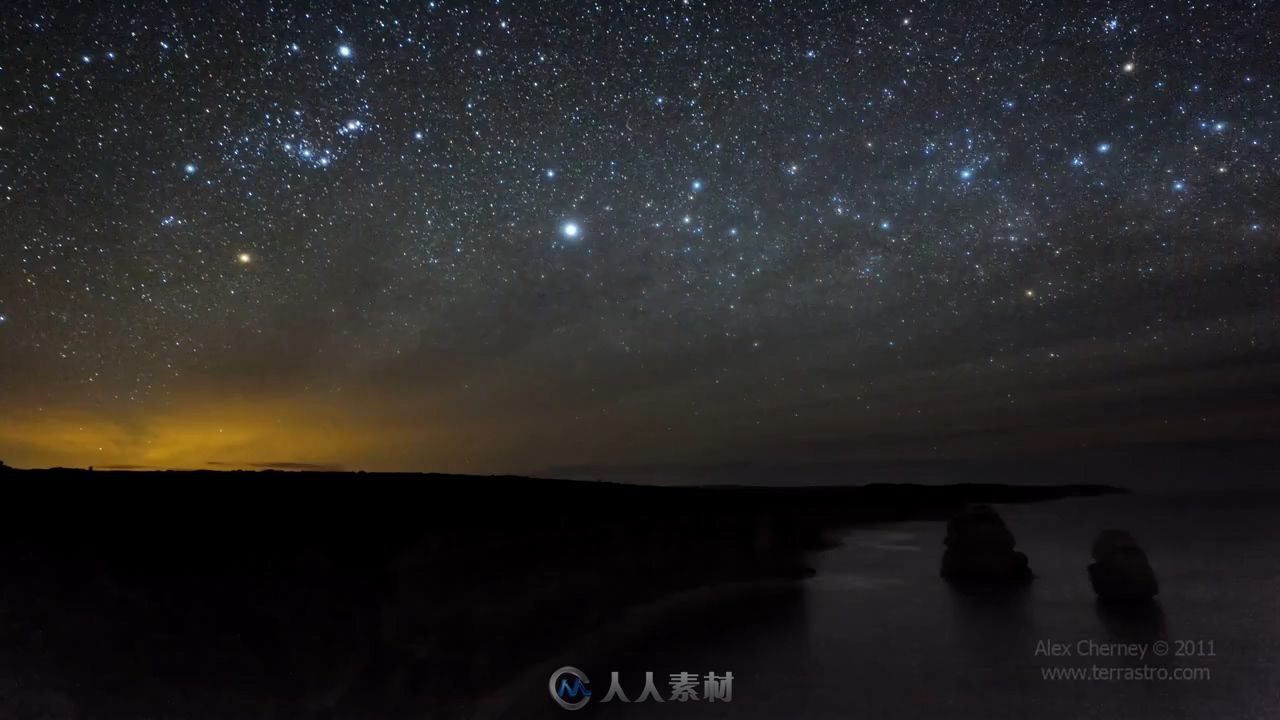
532 237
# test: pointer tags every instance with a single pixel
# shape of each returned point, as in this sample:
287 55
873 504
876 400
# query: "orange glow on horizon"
225 436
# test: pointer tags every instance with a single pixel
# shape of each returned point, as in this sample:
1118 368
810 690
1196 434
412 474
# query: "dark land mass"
324 595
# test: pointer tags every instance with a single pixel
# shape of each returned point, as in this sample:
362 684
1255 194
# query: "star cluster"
581 232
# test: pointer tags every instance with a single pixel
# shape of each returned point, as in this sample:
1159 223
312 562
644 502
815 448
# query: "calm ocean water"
877 634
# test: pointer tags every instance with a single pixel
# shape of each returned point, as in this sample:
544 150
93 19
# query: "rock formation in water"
1120 570
980 549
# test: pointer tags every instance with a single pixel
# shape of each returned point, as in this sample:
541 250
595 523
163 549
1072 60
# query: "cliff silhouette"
312 594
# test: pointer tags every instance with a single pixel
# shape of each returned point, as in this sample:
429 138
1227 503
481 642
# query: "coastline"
399 593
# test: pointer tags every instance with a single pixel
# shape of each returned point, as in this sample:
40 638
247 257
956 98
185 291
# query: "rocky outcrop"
980 549
1120 570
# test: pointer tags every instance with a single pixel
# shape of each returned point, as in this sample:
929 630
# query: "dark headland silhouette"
316 594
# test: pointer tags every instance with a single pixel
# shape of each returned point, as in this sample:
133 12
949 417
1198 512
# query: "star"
742 167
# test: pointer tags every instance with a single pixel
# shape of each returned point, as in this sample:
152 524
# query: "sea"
876 633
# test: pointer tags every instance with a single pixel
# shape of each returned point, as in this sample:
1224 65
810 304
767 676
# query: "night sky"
527 237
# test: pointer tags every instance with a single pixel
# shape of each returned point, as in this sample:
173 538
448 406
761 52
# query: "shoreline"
395 593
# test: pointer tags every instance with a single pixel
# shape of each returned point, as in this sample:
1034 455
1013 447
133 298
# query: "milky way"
516 236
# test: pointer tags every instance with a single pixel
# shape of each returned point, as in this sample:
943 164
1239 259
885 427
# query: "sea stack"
1120 570
980 549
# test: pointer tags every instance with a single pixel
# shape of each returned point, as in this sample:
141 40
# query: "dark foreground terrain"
326 595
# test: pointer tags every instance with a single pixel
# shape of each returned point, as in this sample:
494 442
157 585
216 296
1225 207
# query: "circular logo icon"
570 688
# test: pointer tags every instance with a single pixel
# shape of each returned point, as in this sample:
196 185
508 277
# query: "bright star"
570 230
551 174
419 135
966 174
697 185
1128 67
885 225
344 51
1104 148
190 169
1179 186
244 258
